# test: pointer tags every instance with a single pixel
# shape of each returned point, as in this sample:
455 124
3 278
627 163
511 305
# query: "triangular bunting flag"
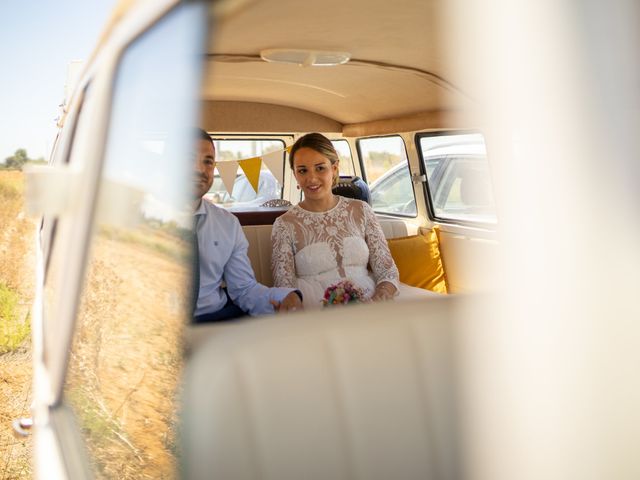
274 162
228 172
251 168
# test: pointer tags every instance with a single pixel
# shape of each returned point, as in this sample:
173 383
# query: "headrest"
475 190
353 187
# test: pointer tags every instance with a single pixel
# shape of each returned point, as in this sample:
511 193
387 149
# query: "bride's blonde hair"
319 143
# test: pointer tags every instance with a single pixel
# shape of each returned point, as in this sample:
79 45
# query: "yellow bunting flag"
251 168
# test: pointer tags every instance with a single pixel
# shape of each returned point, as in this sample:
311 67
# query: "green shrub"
13 330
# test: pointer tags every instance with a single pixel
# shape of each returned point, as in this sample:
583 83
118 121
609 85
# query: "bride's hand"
384 291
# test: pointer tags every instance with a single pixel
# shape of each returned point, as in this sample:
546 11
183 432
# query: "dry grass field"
126 359
16 286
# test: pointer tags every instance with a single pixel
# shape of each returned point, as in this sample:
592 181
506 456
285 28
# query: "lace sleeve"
283 266
382 264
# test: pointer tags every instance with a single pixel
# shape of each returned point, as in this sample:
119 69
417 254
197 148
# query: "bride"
327 238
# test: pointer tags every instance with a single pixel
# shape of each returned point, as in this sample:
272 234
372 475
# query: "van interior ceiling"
394 53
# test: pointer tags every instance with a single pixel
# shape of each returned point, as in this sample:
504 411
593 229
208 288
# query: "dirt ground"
16 275
15 398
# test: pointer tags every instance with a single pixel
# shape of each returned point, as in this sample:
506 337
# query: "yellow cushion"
418 260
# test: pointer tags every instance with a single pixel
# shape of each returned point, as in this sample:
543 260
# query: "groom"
222 249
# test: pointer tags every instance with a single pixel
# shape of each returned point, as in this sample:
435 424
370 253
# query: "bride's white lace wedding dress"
314 250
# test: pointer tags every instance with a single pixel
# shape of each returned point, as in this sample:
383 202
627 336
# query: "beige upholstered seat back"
360 393
259 252
259 237
394 228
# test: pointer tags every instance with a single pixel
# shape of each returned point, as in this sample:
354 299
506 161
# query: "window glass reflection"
126 357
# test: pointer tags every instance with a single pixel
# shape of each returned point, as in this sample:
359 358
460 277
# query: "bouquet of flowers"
342 293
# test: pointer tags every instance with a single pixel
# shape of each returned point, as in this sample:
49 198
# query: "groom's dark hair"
200 134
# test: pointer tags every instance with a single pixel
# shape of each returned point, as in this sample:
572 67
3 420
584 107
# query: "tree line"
19 159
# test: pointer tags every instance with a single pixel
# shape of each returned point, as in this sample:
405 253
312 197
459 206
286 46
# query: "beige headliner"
398 78
397 70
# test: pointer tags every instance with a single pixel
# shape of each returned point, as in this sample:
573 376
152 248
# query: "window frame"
61 416
80 148
353 164
364 172
426 187
61 155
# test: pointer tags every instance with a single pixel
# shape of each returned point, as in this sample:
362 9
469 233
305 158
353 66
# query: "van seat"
394 228
259 237
368 395
259 252
258 215
353 187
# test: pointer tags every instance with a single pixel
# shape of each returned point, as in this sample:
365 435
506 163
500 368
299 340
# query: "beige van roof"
397 68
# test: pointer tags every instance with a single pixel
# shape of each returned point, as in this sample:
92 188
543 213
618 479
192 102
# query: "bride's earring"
298 187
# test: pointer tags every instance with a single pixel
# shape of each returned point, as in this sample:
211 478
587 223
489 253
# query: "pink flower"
342 293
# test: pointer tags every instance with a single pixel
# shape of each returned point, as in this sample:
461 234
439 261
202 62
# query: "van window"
243 193
344 154
458 177
125 360
387 172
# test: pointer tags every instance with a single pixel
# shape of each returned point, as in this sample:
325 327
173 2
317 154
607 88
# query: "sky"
38 40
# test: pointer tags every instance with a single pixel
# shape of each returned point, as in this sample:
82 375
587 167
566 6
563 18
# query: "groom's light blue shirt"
223 257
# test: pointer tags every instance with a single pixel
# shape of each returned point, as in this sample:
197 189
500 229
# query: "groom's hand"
291 303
